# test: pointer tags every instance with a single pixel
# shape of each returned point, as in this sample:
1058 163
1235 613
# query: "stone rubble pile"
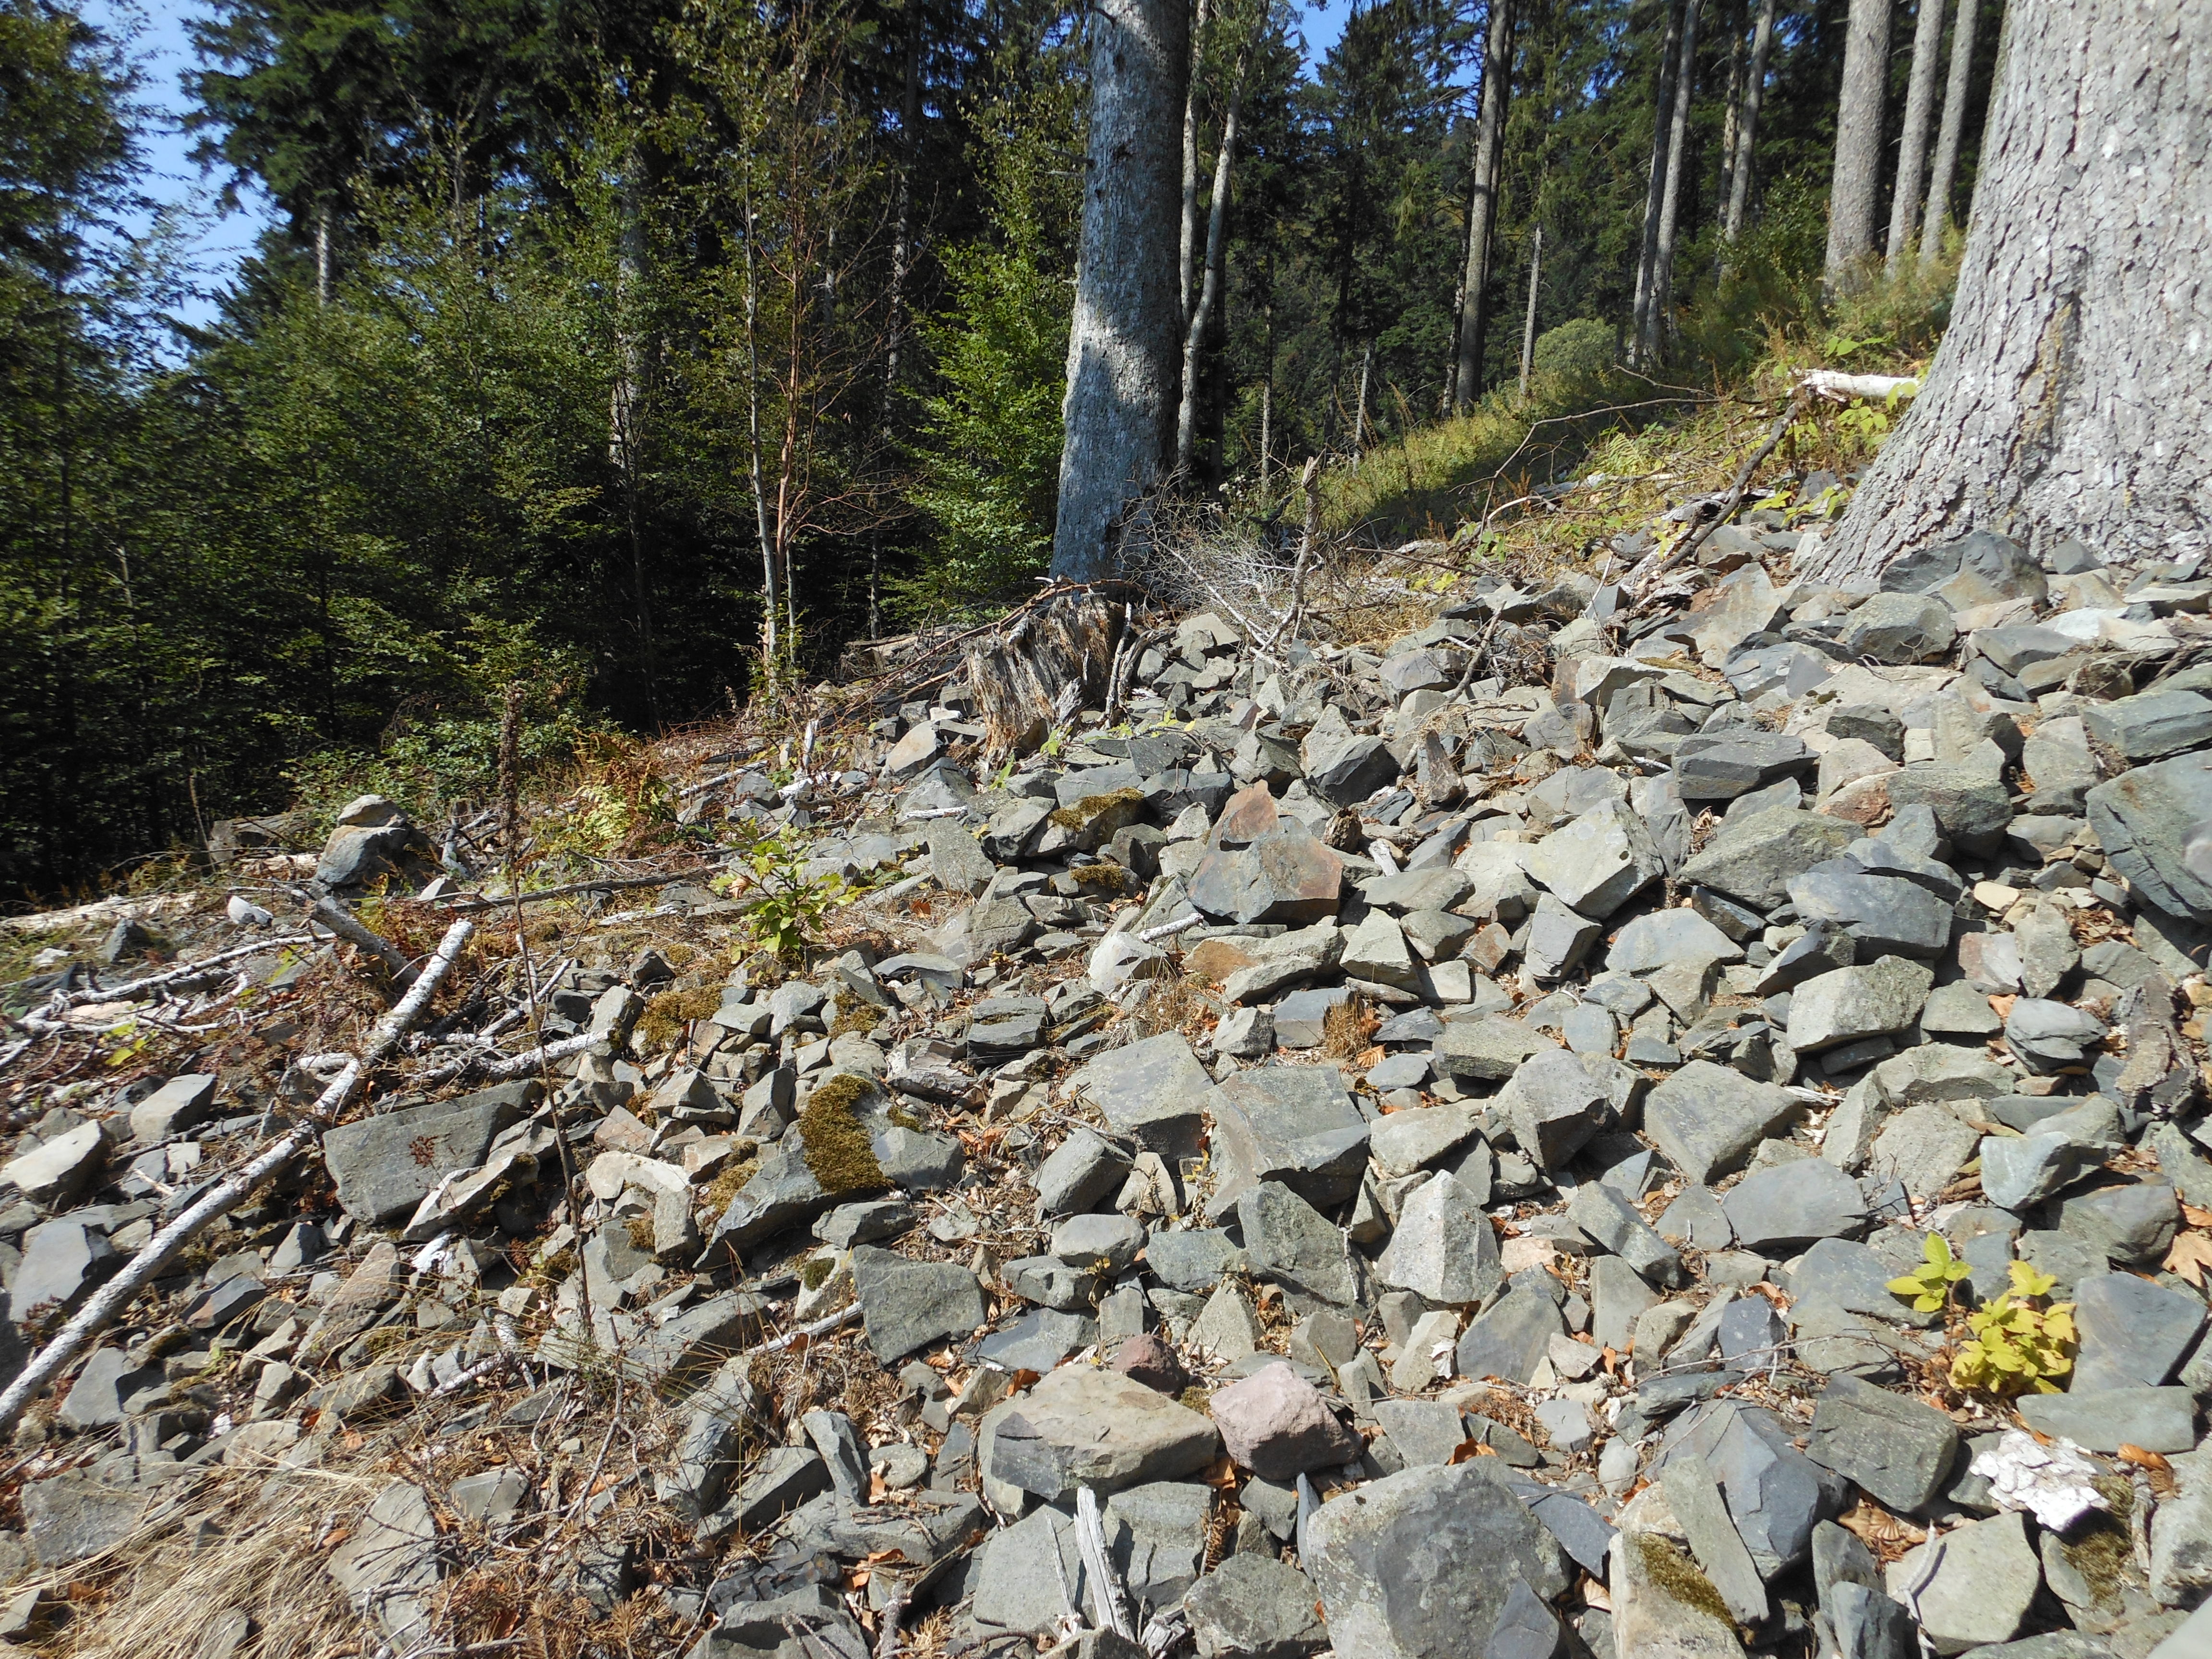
1364 1156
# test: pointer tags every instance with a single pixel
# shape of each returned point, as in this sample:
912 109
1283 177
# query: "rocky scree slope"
1366 1157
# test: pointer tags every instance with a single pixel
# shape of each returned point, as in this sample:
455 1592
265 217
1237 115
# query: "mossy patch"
839 1154
814 1272
661 1025
1196 1399
1677 1577
1088 810
639 1228
1106 877
732 1181
856 1017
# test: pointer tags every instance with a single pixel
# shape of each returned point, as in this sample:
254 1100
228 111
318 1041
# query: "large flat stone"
1082 1426
1599 862
906 1304
383 1165
1154 1090
1419 1564
1295 1124
1755 860
2147 818
1707 1119
1897 1449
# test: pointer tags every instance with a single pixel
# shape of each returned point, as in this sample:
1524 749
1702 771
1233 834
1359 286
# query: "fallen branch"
137 988
144 1267
350 928
1638 583
1841 388
509 1066
473 903
821 1326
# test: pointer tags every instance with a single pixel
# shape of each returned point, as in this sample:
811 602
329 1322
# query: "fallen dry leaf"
1467 1450
2002 1005
2191 1255
1886 1535
2196 1216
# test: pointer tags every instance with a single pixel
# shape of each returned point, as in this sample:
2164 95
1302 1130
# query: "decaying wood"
1839 387
137 989
350 927
1050 661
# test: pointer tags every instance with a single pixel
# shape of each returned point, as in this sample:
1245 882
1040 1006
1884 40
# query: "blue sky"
154 31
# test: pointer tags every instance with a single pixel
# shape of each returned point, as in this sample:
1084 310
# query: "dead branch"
1638 584
350 928
471 903
137 989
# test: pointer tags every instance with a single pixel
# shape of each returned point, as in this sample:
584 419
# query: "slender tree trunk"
1946 143
1659 316
623 399
1482 203
1746 136
771 586
2069 396
1267 389
322 253
1912 145
1187 266
1209 293
1122 338
1662 124
1359 414
902 230
1734 117
1529 323
1857 176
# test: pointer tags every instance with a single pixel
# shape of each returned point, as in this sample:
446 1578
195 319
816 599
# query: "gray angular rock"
1192 1260
1882 914
1983 1581
2132 1222
1695 1499
1848 1003
1775 1492
1558 938
1599 862
1972 804
383 1165
1898 627
1778 1209
1343 768
1664 936
956 863
2151 725
1607 1216
1252 1606
1377 951
1107 1244
69 1517
1485 1050
389 1565
2104 1419
1153 1091
2133 1333
1292 1124
1899 1450
1511 1337
906 1304
1924 1147
58 1170
1082 1170
1275 1424
1284 876
1289 1242
1443 1248
2018 1172
1412 1566
1720 765
62 1261
1084 1426
1707 1119
2146 819
1553 1106
181 1103
2048 1035
1527 1628
1754 861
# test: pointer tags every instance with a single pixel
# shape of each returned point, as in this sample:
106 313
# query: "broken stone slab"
1722 766
1897 1449
2104 1419
1707 1119
1553 1106
72 1516
1083 1426
59 1170
1607 1216
1695 1499
1275 1424
1849 1004
1443 1248
1781 1208
1153 1091
1404 1141
1755 861
906 1304
2146 820
1898 628
1289 1242
1512 1337
1775 1492
389 1562
2133 1333
1419 1564
1292 1124
1284 876
383 1166
1663 1605
1597 863
181 1103
1883 914
1082 1170
1662 938
1977 1588
1253 1606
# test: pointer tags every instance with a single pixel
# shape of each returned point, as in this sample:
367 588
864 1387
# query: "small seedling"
2018 1348
1929 1283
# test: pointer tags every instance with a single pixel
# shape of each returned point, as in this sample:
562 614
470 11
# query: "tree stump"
1034 673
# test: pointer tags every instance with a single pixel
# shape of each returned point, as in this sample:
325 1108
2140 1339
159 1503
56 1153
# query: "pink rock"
1275 1424
1148 1361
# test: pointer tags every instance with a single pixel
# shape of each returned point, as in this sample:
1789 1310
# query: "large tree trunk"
1857 176
2072 395
1659 315
1662 123
1913 147
1747 133
1946 144
1482 205
1122 339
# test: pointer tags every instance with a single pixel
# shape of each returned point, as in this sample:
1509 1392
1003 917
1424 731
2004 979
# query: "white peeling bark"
2072 395
1123 338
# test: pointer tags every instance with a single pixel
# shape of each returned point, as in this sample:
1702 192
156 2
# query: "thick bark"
1912 146
1946 144
1482 205
1659 315
1122 338
1746 131
1662 123
1857 175
2072 395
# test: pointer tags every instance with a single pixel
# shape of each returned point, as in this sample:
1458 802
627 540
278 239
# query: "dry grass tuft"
1346 1029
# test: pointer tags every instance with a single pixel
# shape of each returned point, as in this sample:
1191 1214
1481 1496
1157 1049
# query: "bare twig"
136 989
475 901
1638 582
350 928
